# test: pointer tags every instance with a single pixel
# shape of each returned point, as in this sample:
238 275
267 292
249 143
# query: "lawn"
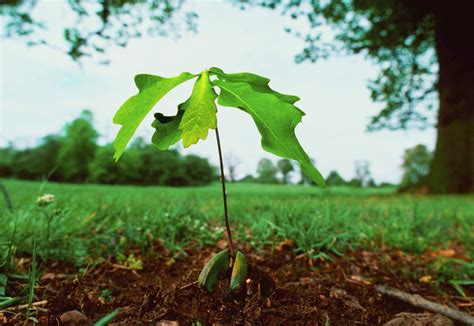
90 221
89 226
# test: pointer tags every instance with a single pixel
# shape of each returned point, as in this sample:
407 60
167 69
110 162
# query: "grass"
87 223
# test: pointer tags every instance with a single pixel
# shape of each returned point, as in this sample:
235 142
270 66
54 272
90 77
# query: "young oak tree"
274 114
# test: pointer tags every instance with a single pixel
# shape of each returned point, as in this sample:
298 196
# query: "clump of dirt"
282 288
190 303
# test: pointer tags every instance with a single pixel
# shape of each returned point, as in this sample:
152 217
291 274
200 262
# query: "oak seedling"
274 114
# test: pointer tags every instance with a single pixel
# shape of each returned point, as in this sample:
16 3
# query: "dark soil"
282 289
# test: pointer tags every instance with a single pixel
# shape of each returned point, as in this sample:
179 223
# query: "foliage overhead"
398 35
274 113
93 26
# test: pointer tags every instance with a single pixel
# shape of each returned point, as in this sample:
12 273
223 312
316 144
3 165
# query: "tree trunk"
452 167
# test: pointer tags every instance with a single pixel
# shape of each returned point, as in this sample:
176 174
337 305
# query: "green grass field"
87 223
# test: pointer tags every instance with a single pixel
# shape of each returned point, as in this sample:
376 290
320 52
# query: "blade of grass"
9 257
6 197
8 301
32 280
108 318
3 284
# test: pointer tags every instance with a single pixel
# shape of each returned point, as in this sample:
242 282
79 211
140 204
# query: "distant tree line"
284 172
415 166
74 156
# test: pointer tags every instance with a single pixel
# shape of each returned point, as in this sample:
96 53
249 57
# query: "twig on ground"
420 302
24 306
188 285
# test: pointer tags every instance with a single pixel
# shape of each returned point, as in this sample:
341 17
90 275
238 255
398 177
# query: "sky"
42 89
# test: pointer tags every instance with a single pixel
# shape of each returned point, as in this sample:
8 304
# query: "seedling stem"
224 196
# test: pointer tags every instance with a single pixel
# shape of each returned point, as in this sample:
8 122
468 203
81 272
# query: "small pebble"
73 317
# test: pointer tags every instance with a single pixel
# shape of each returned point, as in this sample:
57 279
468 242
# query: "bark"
452 168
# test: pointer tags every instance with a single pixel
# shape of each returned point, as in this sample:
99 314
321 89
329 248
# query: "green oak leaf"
151 89
275 119
166 133
258 83
199 112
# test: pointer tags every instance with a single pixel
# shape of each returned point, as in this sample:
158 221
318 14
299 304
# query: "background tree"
249 179
6 161
424 52
22 164
105 171
362 171
231 163
160 167
355 182
102 170
416 166
334 179
33 163
143 164
266 171
198 171
371 183
78 148
46 157
285 167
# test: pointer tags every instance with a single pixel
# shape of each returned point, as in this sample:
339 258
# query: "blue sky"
41 89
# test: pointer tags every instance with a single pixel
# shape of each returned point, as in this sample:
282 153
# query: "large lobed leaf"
133 111
194 118
166 133
275 118
199 112
274 113
258 83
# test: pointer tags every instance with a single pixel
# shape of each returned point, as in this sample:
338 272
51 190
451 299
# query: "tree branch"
420 302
